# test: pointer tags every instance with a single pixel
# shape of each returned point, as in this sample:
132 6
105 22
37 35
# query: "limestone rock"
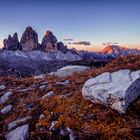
49 42
63 83
49 94
2 87
70 70
19 121
29 39
53 123
20 133
39 76
61 47
42 116
12 43
5 97
116 90
6 109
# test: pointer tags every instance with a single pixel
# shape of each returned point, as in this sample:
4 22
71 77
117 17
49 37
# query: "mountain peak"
29 39
111 49
48 33
117 50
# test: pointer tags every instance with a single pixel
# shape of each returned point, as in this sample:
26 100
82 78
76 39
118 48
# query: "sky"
94 21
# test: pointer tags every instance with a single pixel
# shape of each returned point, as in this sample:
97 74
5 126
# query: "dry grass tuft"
70 109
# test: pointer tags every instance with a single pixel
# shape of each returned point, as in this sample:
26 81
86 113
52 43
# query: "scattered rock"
29 39
117 90
52 126
5 97
49 94
20 133
64 131
52 74
12 43
42 116
24 90
70 70
73 135
63 83
6 109
29 106
39 76
2 87
42 87
16 122
44 83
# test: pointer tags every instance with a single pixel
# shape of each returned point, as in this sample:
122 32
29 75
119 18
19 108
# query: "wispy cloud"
81 43
68 39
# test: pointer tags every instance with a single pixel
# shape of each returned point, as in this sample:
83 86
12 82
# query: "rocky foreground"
51 107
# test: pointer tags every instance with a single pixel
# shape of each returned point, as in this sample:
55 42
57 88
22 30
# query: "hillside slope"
67 109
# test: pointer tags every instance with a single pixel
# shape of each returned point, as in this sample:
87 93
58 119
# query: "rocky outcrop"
116 90
29 42
49 94
20 133
69 70
15 123
61 47
49 42
5 97
6 109
12 43
2 87
29 39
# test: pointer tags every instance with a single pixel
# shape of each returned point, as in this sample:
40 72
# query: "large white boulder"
70 70
20 133
117 89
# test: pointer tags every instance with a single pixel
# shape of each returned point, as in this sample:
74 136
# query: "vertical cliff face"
49 42
49 45
29 42
61 47
29 39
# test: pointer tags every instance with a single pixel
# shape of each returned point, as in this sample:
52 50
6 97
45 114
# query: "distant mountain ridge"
110 52
117 50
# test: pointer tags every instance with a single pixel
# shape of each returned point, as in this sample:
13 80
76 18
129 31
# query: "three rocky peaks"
29 41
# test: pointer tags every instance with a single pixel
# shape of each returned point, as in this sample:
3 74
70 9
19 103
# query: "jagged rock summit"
49 42
12 43
29 42
29 39
117 50
62 48
28 57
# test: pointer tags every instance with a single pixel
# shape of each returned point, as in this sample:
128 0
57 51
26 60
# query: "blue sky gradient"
96 21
